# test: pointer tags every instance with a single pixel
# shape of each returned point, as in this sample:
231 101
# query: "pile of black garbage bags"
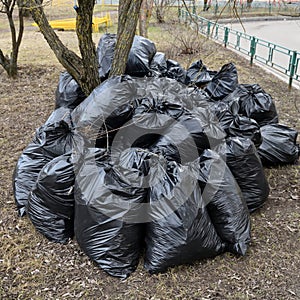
163 162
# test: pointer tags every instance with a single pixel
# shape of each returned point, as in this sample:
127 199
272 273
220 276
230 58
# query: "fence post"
226 35
208 28
252 49
216 36
292 67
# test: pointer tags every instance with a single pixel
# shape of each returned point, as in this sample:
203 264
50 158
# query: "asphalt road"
284 33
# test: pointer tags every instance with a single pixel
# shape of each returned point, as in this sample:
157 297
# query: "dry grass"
33 268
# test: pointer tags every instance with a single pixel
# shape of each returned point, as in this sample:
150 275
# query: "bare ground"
33 268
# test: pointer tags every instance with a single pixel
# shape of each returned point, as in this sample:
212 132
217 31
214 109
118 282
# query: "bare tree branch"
70 60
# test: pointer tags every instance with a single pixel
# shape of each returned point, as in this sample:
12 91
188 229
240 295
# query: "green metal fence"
279 58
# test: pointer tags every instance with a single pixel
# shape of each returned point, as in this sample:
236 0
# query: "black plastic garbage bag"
235 125
68 92
175 71
105 53
154 120
198 74
224 202
181 230
158 64
279 145
200 96
113 123
116 93
172 121
224 113
105 111
51 140
26 171
223 83
60 114
244 163
165 147
139 59
119 115
100 104
107 201
51 200
57 139
254 103
245 127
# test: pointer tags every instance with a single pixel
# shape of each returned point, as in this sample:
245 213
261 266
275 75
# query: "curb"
255 19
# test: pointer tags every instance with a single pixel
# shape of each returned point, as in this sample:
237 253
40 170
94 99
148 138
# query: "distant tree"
161 6
10 62
84 68
145 15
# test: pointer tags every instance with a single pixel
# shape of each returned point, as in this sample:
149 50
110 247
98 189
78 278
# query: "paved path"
284 33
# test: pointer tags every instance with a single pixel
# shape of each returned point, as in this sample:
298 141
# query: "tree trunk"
85 70
90 76
145 15
160 10
128 18
12 72
142 19
17 41
5 62
10 64
160 15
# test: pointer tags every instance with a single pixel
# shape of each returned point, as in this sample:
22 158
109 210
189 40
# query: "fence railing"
243 7
277 57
